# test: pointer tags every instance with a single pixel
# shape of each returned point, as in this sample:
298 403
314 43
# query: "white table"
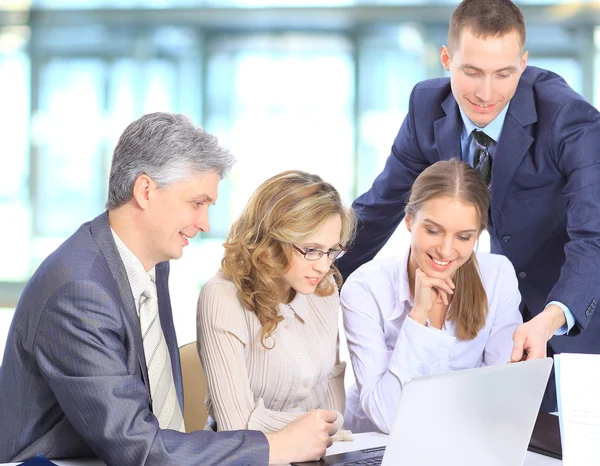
368 440
374 439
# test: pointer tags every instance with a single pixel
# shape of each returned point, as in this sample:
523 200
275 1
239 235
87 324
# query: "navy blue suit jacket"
74 380
545 198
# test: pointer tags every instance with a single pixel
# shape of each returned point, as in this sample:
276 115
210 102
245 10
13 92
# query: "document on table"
578 391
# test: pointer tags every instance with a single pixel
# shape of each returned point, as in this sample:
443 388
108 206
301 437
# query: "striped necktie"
165 404
483 160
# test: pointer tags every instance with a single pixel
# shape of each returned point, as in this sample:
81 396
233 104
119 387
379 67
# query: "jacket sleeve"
83 351
577 130
506 299
381 209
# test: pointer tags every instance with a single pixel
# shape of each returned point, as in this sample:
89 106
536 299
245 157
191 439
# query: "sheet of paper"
578 391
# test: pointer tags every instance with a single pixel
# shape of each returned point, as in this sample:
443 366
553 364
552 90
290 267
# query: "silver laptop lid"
472 417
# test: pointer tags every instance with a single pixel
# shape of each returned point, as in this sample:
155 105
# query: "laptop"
545 439
473 417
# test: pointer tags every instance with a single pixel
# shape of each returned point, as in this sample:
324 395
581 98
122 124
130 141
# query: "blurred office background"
318 85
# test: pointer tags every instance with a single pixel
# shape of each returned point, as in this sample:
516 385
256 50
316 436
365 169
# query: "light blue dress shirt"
467 144
467 141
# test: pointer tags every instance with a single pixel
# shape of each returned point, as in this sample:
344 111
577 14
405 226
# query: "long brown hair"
284 210
456 179
486 18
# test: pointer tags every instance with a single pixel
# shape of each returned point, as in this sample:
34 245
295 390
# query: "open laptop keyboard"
374 461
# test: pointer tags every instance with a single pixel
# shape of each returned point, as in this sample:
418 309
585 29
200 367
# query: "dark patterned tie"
483 160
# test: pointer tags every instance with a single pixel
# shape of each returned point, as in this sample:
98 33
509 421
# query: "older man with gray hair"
91 366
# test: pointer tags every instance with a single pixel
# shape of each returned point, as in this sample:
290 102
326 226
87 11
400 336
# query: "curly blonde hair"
284 210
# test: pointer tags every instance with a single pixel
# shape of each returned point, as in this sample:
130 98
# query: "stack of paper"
578 391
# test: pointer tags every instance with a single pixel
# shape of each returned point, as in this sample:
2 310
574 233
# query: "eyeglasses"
315 254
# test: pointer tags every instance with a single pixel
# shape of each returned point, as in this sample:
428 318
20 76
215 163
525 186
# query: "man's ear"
524 60
445 57
142 190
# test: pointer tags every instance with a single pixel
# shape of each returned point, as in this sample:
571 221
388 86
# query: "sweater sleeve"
222 340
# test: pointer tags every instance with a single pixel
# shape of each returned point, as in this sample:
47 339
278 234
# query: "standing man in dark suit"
91 365
537 143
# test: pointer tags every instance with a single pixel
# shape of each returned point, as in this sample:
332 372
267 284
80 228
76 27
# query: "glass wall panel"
281 103
568 68
66 139
390 63
15 232
56 4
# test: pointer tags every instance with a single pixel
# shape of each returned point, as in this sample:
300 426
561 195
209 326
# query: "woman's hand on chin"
428 293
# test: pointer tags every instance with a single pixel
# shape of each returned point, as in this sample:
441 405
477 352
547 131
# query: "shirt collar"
138 278
299 304
493 129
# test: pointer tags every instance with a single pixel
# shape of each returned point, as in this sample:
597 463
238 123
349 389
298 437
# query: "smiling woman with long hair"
268 322
438 307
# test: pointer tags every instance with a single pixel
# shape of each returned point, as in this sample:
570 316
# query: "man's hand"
304 439
530 338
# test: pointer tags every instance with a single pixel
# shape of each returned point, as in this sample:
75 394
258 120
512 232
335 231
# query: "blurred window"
390 63
15 230
568 68
280 103
67 133
327 97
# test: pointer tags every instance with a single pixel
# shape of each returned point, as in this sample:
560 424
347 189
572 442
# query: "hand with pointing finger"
530 338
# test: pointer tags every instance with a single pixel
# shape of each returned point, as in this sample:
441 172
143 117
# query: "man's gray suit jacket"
73 381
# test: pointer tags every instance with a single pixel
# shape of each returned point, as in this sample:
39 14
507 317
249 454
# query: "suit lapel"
514 143
166 322
446 129
102 234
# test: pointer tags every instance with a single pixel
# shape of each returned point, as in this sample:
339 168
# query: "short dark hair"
486 18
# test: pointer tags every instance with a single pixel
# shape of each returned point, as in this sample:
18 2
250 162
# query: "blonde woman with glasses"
268 321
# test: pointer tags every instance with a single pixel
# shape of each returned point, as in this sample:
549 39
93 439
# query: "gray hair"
167 147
